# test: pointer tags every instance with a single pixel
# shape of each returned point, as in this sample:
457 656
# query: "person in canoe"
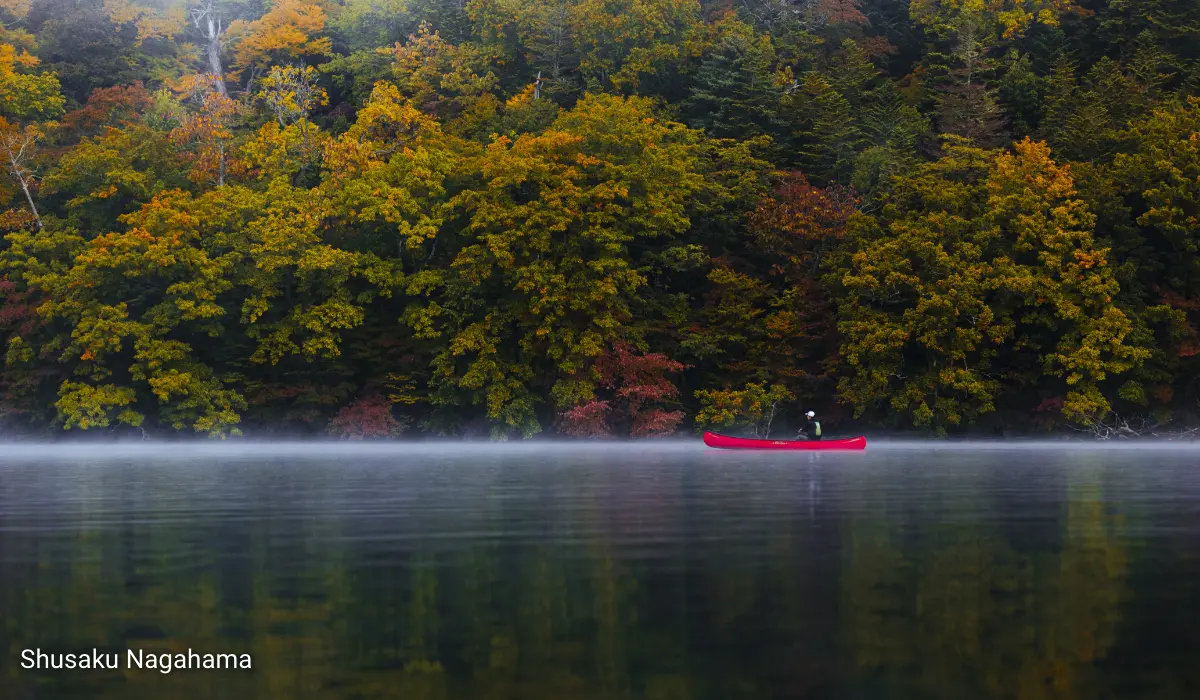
812 427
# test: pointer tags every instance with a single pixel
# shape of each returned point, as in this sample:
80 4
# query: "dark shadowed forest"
369 218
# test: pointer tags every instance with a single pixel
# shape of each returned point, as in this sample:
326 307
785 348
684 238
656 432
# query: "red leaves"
835 12
111 106
589 420
1190 346
1052 404
638 378
1179 301
798 210
655 423
18 311
636 381
366 418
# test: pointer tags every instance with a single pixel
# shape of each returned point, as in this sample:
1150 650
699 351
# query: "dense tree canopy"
597 217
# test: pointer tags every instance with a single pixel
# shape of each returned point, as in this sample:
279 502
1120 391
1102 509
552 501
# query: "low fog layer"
455 448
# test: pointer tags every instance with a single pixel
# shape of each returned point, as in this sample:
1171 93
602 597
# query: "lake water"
661 571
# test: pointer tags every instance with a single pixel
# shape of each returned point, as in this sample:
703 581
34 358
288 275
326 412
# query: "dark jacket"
812 427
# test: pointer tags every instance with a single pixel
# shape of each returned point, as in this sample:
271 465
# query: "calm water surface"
661 571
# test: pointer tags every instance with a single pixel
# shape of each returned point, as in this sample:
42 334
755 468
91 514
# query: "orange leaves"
835 12
151 22
208 131
112 106
287 31
1088 260
797 209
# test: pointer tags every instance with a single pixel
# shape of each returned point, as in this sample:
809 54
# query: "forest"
622 218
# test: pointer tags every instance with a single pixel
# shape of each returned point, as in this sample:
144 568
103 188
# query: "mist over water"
550 449
606 570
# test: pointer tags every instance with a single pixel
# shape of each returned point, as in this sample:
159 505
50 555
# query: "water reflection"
946 607
660 574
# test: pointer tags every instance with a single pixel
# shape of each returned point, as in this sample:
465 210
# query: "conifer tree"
826 135
733 94
967 105
1021 91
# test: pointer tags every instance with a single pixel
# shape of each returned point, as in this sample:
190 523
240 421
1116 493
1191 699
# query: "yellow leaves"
283 152
1014 21
170 383
291 92
177 262
208 130
1011 17
521 99
286 31
85 406
121 11
163 24
254 307
754 406
627 40
151 22
23 95
389 167
549 222
454 80
1007 264
387 122
324 258
11 58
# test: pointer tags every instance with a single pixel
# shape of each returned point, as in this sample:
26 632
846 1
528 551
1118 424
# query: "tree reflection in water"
663 577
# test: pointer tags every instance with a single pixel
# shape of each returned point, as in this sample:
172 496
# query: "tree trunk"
214 53
16 165
207 19
29 197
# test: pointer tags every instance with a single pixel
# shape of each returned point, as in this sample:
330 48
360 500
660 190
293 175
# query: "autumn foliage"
622 218
368 417
637 388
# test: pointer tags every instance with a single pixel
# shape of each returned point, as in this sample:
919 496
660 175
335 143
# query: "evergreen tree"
733 94
1021 91
895 131
827 137
1059 102
967 105
855 76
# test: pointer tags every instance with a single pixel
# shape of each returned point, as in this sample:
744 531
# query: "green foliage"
85 406
733 93
753 407
543 277
826 134
363 216
1022 91
982 260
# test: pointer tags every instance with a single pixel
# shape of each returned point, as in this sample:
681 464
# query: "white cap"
810 414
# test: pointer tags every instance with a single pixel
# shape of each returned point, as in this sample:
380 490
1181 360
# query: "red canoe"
735 443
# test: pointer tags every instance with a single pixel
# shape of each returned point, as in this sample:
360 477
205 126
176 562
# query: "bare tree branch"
207 18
